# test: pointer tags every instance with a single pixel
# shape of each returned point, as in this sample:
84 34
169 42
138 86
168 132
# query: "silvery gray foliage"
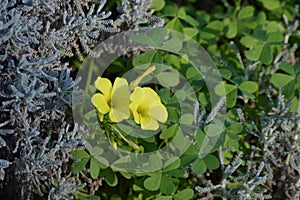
136 14
37 39
278 146
247 183
63 187
45 28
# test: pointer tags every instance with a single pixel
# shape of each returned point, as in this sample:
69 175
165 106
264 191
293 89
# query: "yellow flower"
113 99
146 108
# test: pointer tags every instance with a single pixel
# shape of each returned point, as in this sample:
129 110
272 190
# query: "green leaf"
174 60
266 55
199 137
212 29
246 12
175 25
181 13
259 34
167 186
171 164
232 136
170 10
158 35
96 151
142 39
78 166
231 98
158 5
80 154
187 118
122 163
193 22
226 73
173 45
270 4
126 175
152 183
213 130
275 37
192 72
199 166
164 95
94 168
248 41
223 88
170 78
288 68
289 89
235 128
101 162
255 53
184 194
169 132
279 80
204 98
231 29
110 177
164 198
155 161
211 162
249 86
148 57
176 173
179 141
189 156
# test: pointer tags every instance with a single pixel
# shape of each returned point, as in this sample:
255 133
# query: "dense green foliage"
254 47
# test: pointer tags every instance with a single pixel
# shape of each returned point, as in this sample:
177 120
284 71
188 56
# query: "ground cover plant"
232 137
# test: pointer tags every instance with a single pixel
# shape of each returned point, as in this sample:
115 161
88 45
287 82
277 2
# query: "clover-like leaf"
148 57
158 5
280 79
175 25
246 12
199 166
94 168
110 177
211 162
184 194
167 186
152 183
249 86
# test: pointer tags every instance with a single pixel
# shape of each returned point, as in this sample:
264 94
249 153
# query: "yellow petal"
100 102
134 113
137 96
150 96
144 98
159 112
119 100
148 123
104 85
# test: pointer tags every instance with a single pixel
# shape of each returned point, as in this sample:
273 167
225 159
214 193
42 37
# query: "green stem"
89 77
129 142
236 9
